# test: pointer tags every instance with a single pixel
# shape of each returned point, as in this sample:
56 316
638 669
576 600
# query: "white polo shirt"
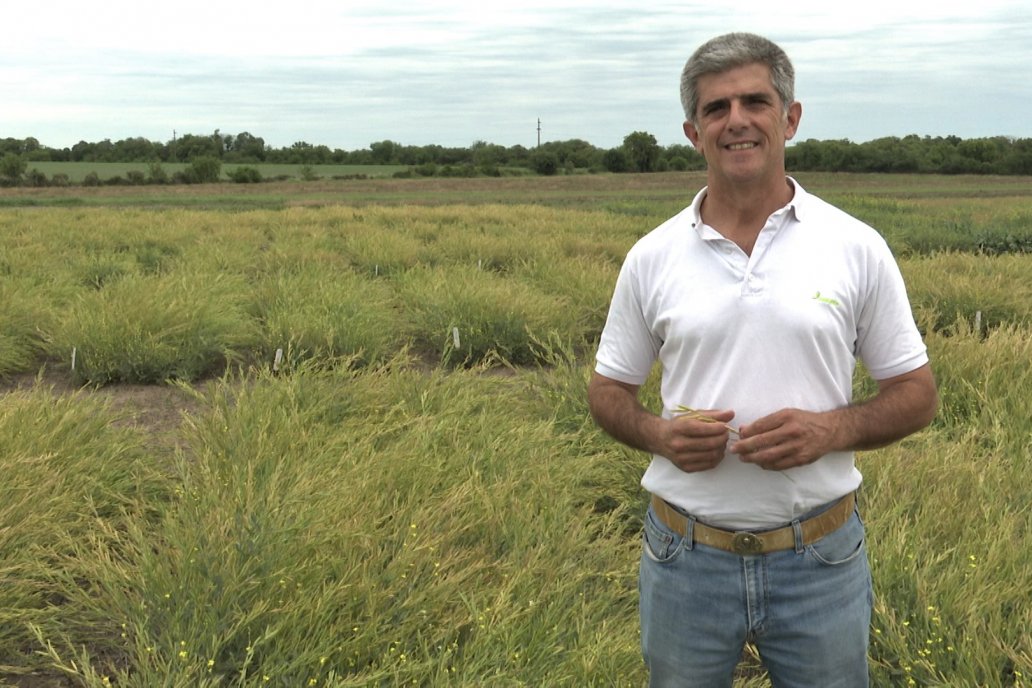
781 328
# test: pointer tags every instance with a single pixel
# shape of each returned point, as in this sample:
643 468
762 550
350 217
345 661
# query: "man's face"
741 126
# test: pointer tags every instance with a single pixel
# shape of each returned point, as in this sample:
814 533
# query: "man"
757 300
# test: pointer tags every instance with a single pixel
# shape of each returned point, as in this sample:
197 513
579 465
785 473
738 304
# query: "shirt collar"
798 203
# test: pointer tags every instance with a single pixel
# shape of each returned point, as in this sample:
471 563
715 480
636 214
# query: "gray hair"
728 52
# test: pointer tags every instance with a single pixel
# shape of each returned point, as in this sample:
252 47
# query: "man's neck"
739 212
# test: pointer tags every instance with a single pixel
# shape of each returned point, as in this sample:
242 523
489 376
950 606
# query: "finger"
700 428
766 424
698 462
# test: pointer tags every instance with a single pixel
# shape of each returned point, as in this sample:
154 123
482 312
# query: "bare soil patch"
157 411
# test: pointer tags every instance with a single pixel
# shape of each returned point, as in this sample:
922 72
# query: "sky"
347 73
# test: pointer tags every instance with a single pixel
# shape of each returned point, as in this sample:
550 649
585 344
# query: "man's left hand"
785 439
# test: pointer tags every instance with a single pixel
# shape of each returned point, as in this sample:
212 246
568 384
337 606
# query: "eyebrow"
757 97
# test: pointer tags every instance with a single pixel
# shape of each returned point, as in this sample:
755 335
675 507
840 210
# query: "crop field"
335 434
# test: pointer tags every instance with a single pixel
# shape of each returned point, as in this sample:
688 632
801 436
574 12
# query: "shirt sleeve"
888 341
627 348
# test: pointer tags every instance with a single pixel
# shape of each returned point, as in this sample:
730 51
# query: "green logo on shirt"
824 299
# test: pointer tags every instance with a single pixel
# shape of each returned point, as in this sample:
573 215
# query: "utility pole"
539 132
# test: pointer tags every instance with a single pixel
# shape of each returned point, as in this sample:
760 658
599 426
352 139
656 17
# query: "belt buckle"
746 543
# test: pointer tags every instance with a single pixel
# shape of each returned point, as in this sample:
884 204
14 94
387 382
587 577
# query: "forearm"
617 410
897 410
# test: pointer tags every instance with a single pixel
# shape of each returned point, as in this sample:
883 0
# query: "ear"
795 113
692 133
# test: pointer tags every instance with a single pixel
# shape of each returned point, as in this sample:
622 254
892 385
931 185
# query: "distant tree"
10 145
1019 159
642 151
682 157
545 162
136 149
487 157
573 153
616 160
12 167
205 170
188 147
383 152
246 148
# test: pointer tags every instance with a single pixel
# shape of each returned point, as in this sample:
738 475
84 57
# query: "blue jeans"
807 610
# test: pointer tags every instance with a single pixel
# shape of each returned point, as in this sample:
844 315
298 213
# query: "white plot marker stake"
455 337
277 361
73 358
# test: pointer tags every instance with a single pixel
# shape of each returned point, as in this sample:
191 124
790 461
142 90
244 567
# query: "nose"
736 118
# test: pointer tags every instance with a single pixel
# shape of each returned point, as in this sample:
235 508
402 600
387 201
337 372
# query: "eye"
714 108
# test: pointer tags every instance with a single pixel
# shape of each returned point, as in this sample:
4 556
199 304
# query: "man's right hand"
691 444
694 445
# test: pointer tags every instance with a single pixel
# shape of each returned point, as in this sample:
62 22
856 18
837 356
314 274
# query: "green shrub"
156 174
497 318
205 170
36 178
148 329
327 314
245 175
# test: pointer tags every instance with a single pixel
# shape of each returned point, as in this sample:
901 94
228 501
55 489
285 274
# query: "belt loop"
798 531
689 534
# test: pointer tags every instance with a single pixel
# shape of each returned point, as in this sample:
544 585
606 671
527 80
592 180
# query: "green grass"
390 509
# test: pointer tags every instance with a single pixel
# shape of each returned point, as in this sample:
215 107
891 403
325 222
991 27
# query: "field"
335 434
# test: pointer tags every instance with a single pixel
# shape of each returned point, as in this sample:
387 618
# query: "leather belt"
748 542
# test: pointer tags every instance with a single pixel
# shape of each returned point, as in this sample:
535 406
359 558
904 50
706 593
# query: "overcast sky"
346 73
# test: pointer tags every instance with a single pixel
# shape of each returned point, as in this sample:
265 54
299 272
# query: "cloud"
452 72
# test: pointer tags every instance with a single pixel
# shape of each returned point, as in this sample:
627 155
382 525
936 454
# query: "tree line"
639 152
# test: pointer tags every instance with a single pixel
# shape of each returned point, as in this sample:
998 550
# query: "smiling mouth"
740 146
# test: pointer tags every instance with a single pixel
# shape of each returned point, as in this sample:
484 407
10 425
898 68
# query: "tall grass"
150 329
950 286
382 528
23 319
949 513
71 477
466 316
